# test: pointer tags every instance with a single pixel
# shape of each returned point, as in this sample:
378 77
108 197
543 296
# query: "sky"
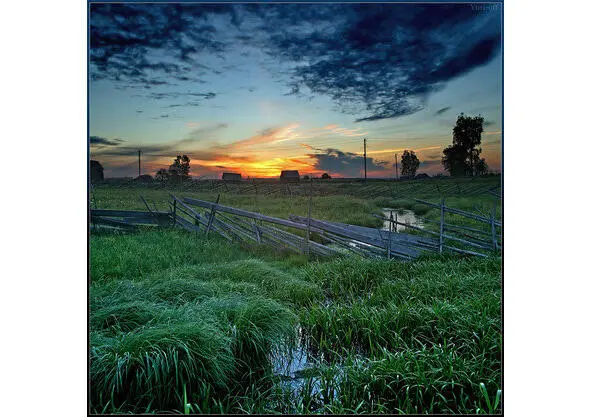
259 88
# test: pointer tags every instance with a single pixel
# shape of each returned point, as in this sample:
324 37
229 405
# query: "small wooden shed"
231 177
290 176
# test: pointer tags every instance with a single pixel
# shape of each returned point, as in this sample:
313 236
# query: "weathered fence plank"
114 223
211 215
244 213
441 225
126 213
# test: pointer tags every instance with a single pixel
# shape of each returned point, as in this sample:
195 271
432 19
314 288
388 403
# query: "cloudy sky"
260 88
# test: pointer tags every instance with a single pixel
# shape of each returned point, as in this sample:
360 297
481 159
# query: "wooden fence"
326 238
481 236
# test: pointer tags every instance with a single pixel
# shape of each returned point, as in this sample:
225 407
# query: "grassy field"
353 203
184 324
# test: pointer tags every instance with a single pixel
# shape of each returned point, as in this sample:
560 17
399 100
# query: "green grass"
352 203
184 324
204 322
337 208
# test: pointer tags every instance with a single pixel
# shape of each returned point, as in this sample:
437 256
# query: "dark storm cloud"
127 41
99 141
375 61
384 60
443 110
344 163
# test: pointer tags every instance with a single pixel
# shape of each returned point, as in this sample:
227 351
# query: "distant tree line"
324 176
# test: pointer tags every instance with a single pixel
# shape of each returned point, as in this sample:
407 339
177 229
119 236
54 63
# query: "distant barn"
96 171
231 177
289 176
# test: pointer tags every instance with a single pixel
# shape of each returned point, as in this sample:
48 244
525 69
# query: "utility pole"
365 158
396 158
139 163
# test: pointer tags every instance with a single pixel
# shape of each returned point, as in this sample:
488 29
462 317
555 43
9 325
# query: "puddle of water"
408 217
292 363
299 373
295 365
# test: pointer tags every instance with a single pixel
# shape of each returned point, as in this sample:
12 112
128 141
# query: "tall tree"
462 157
179 170
410 163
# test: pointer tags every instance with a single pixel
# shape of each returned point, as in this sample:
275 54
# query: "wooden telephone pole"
139 162
365 158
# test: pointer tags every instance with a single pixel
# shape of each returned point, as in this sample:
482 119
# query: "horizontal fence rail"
127 219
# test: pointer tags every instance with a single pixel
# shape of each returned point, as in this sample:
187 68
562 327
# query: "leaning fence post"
441 222
211 216
256 231
174 212
309 215
492 225
390 233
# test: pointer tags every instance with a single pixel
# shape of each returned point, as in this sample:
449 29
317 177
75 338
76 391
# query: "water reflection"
406 217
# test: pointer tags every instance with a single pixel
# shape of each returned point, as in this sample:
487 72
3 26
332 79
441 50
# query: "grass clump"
197 346
429 380
248 276
198 330
125 316
154 363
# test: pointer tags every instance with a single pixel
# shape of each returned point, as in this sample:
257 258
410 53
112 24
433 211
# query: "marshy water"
300 370
408 217
295 365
